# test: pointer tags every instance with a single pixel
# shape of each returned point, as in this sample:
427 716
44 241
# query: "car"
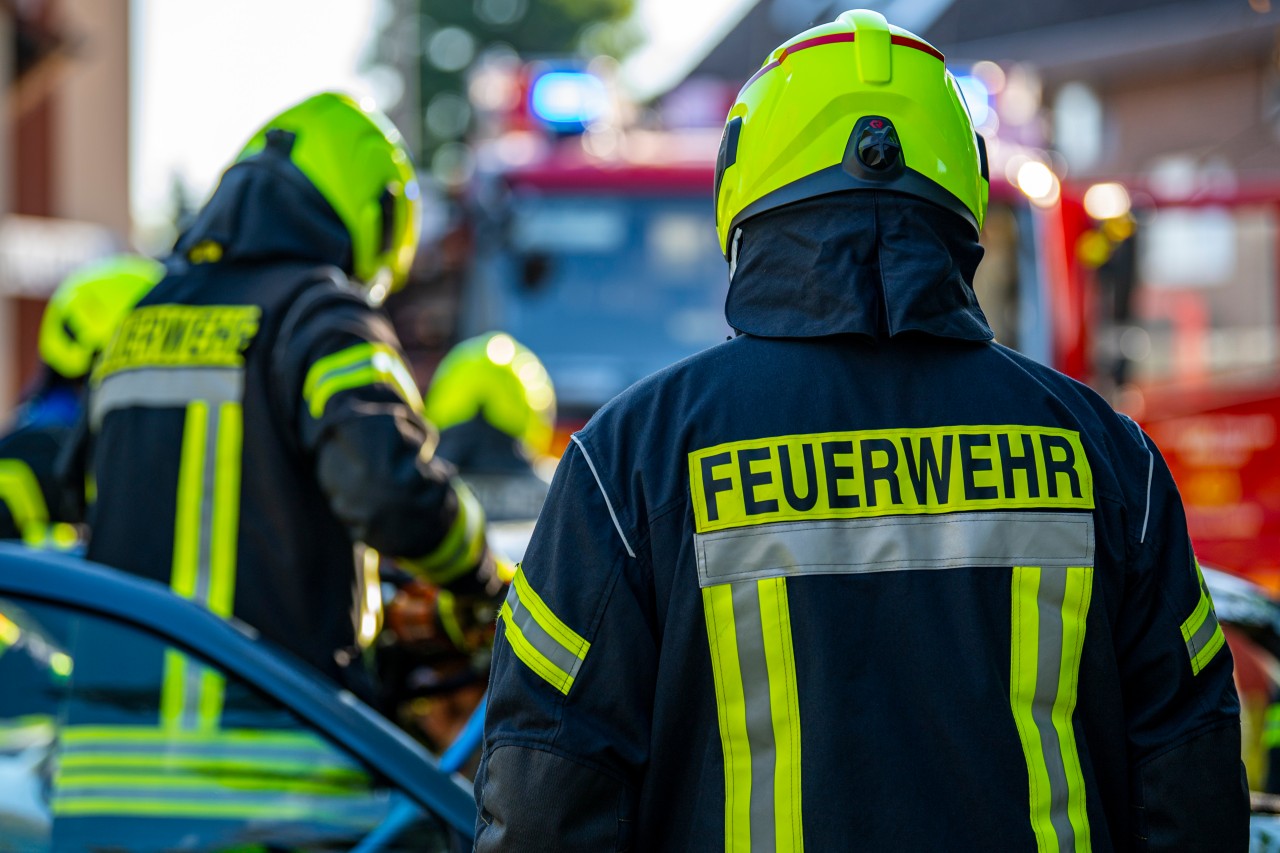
280 758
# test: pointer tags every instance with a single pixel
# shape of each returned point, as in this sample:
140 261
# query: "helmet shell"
794 131
87 308
357 159
495 377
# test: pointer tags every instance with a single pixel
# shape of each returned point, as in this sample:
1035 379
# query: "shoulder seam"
608 503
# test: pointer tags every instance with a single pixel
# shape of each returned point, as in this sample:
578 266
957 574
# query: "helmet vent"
874 152
878 145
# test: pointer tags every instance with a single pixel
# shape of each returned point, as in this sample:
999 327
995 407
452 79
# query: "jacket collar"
866 263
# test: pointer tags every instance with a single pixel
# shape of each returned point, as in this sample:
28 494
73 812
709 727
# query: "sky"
206 74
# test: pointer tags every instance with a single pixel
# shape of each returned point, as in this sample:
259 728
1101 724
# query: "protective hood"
266 210
867 263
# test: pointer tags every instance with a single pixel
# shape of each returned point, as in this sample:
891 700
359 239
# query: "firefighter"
253 418
859 578
80 318
495 407
494 404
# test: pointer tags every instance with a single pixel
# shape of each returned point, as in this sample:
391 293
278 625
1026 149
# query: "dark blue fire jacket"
861 579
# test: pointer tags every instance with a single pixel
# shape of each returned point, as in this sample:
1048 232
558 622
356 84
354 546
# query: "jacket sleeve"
571 690
355 410
1183 715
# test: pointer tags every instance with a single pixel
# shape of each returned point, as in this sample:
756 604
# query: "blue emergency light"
568 101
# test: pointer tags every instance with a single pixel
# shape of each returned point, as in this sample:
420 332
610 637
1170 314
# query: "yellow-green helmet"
357 160
853 104
87 308
497 378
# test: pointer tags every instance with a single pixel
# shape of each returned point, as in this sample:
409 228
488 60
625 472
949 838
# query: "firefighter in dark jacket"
78 322
860 578
253 418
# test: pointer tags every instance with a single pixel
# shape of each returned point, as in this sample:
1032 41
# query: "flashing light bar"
568 101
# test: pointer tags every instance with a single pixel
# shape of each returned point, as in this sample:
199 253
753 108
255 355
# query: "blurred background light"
1038 182
1106 201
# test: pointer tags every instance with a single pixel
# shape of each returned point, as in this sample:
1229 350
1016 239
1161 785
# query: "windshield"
604 289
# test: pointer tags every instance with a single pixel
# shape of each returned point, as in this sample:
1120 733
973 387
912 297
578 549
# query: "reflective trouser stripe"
1201 632
757 701
1049 610
355 367
204 550
20 491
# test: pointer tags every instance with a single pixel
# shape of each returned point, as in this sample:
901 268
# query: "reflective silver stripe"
755 692
165 387
895 543
537 636
1052 591
1200 639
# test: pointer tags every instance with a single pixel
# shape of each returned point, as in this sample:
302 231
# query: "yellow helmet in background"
497 378
854 104
356 158
87 308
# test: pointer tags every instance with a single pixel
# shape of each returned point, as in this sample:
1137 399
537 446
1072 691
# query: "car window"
111 738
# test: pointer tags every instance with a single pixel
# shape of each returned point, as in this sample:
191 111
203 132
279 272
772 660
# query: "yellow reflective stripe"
280 809
784 706
1022 688
462 544
336 362
80 735
108 762
1201 632
226 508
20 490
186 535
546 645
218 783
186 549
1048 618
446 607
355 367
731 709
1075 609
529 655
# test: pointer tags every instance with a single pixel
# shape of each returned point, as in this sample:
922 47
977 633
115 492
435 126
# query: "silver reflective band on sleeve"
164 388
539 638
895 543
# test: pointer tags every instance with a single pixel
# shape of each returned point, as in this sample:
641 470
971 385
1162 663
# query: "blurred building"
64 156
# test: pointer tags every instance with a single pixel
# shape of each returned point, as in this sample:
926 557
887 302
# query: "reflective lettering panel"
181 336
888 472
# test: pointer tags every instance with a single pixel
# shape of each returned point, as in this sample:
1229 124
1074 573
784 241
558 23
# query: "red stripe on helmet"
837 38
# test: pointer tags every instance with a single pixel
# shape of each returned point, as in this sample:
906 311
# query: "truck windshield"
605 289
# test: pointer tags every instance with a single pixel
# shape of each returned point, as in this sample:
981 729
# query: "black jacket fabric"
860 579
254 418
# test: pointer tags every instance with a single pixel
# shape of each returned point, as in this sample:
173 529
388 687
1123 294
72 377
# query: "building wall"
64 159
1207 115
91 144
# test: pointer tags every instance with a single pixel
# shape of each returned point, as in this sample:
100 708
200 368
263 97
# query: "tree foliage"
453 34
